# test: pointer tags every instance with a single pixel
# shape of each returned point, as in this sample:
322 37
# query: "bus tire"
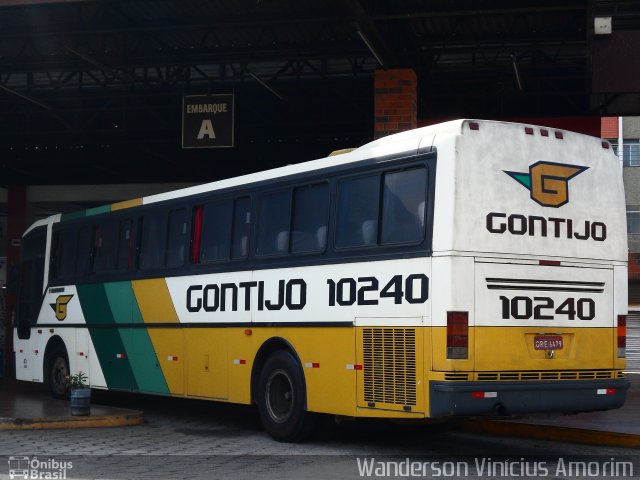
57 371
282 399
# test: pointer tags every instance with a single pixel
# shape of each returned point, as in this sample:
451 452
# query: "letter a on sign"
206 130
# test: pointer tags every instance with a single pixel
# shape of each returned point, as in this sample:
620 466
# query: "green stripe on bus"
98 210
107 341
137 344
73 215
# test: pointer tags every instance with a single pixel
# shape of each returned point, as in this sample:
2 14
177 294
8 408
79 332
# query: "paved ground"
193 439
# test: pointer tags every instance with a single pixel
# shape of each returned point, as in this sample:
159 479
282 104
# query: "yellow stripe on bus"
136 202
156 307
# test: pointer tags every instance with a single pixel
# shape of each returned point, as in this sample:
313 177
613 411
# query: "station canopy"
91 91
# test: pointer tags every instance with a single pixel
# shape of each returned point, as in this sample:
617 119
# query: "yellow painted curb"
122 420
549 432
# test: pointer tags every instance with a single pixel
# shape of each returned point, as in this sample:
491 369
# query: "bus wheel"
282 399
57 371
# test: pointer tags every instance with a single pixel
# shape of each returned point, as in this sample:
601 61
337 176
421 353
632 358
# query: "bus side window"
54 260
124 260
216 232
82 255
358 203
176 238
241 228
310 218
403 206
153 240
274 223
105 248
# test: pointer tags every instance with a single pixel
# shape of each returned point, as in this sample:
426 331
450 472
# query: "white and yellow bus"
467 268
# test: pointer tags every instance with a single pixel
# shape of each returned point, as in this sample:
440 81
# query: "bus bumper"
519 398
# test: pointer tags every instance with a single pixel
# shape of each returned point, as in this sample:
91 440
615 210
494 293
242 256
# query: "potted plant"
80 394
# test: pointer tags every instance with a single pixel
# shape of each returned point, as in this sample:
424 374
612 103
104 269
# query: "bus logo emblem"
548 182
60 307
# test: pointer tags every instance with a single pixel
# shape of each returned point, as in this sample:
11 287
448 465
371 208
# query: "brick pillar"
609 127
16 225
396 101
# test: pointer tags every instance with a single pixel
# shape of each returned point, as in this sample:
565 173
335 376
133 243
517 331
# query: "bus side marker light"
81 354
544 133
549 263
120 355
474 126
351 366
559 135
35 351
248 332
528 130
239 361
172 358
605 145
312 365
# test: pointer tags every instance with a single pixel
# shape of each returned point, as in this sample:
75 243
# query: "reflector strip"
606 391
484 394
239 362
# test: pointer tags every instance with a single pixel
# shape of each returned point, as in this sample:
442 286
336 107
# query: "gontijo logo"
548 182
60 307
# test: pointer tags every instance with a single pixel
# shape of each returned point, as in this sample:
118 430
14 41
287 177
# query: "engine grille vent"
550 375
459 377
389 365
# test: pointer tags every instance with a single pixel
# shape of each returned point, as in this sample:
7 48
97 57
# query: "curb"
119 420
553 433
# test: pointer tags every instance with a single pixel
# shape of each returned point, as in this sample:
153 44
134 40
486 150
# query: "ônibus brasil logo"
548 182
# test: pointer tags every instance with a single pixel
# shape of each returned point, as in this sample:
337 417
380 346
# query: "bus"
462 269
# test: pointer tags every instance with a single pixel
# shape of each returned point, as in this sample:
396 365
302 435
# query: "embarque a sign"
207 121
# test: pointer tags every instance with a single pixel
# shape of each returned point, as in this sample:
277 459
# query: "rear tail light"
457 335
622 336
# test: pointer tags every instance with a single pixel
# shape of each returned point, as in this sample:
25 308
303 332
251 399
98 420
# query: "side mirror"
24 330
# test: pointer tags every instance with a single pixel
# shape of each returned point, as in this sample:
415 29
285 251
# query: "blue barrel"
80 401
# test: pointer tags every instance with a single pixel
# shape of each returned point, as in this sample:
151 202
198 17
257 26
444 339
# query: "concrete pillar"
16 225
396 101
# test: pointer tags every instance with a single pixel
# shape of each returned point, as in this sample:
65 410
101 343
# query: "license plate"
548 342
